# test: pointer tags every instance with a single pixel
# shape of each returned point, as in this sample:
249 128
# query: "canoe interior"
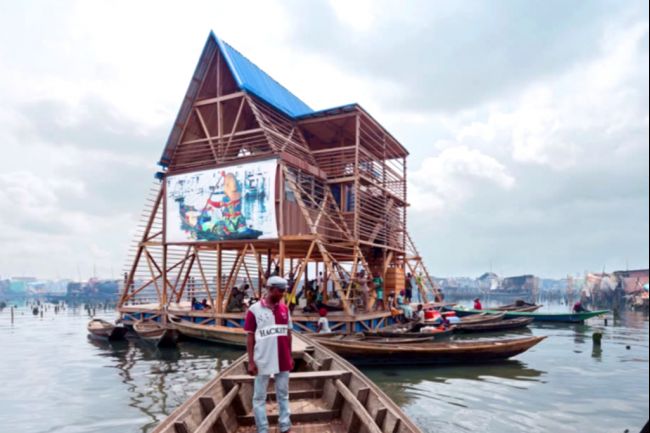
102 329
157 333
327 394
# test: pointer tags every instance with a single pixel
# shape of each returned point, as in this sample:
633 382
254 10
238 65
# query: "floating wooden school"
255 182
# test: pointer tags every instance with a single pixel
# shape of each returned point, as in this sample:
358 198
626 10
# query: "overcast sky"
527 122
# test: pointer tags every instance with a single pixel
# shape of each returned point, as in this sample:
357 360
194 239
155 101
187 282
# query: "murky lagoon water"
53 379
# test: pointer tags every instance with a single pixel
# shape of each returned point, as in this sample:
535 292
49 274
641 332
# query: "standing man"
477 304
268 324
408 288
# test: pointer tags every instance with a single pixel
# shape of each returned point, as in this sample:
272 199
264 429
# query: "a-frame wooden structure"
340 200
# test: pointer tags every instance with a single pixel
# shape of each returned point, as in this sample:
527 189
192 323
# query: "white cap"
276 281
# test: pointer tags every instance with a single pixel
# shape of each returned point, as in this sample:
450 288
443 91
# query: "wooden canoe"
482 317
521 306
425 336
373 338
213 333
101 329
367 353
540 317
326 395
156 333
501 325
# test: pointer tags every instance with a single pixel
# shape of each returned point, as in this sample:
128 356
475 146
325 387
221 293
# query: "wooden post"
140 250
282 252
357 145
302 268
219 306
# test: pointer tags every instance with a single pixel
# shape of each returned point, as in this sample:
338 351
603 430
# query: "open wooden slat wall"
147 239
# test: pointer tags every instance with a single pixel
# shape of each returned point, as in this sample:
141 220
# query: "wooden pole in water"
12 314
597 337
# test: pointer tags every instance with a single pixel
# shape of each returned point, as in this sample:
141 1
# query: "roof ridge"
250 77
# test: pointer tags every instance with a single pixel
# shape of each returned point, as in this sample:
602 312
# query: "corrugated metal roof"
252 79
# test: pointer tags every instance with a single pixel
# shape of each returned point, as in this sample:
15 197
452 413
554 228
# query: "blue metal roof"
252 79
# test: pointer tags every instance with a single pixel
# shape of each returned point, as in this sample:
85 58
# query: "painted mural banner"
227 203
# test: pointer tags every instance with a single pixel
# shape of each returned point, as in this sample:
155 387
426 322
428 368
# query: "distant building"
523 284
631 282
488 282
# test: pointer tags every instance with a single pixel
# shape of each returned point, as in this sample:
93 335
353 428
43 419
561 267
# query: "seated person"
236 303
418 317
248 291
392 305
196 305
402 305
311 306
444 322
205 305
477 304
323 322
578 308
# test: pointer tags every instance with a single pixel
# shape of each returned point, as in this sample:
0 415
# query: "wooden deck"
303 322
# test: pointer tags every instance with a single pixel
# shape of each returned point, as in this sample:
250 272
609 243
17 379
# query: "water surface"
53 379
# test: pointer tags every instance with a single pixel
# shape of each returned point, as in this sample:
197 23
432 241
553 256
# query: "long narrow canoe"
501 325
482 317
374 339
399 334
524 307
538 317
366 353
326 395
103 330
212 333
156 333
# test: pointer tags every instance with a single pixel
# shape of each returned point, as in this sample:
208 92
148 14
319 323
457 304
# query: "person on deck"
196 305
477 304
419 315
268 324
365 291
408 291
290 299
236 303
378 282
323 322
205 305
402 305
248 291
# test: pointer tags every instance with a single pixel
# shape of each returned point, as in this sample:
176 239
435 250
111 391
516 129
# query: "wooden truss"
341 200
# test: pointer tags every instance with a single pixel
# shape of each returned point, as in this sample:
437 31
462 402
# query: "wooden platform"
303 322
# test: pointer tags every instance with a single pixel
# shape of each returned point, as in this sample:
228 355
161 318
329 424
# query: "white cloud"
444 182
74 175
572 118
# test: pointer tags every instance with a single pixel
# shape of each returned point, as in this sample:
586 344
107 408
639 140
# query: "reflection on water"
48 367
156 392
404 384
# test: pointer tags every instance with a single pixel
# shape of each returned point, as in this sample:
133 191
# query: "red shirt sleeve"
251 323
